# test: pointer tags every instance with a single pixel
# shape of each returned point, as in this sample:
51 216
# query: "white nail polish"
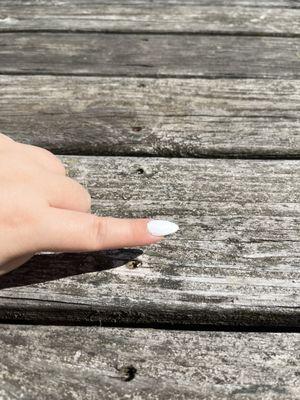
158 227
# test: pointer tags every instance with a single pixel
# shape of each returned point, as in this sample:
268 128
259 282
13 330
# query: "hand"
41 209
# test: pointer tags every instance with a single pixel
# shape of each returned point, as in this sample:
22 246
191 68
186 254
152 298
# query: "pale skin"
42 209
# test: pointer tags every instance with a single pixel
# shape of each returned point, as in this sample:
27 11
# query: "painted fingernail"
158 227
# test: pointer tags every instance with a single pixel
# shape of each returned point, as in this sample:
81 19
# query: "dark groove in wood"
145 76
204 33
67 314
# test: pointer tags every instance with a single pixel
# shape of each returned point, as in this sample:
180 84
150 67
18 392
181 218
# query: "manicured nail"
158 227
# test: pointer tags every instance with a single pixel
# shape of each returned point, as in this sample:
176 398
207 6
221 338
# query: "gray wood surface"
91 363
152 55
234 262
251 18
142 116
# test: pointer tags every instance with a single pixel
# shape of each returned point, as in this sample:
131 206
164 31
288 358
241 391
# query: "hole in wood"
127 373
140 171
137 128
134 264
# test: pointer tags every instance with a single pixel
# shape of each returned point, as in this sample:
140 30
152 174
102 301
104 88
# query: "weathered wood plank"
234 262
152 55
167 16
142 116
88 363
293 4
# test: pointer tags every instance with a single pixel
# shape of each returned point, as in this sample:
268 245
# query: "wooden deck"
186 110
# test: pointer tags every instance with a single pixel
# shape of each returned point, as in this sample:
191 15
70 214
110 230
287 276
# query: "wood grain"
88 363
151 55
153 117
85 363
234 262
251 18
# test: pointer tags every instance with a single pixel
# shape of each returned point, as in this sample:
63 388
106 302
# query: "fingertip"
153 231
161 228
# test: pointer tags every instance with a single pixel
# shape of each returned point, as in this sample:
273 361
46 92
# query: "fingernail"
158 227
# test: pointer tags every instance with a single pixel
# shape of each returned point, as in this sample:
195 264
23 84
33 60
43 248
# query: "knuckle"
43 155
98 232
83 196
53 161
87 199
5 139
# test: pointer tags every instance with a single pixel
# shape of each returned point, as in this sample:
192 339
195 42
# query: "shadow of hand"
49 267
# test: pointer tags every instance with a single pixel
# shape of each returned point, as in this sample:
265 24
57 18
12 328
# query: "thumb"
66 230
